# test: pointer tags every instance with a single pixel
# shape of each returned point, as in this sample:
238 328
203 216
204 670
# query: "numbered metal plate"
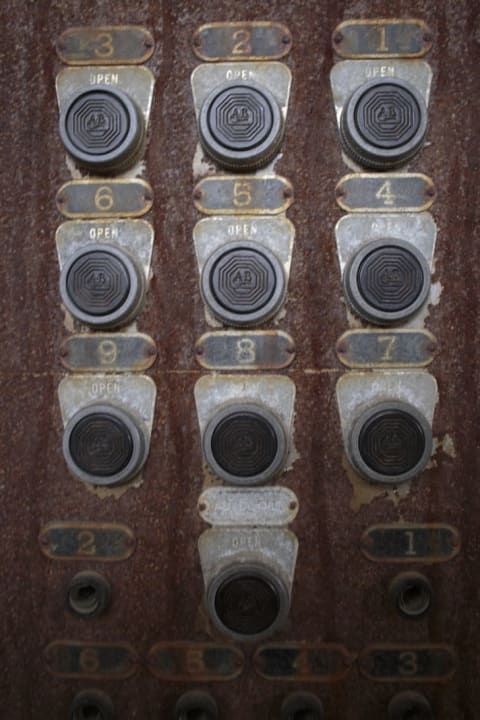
76 660
248 194
104 352
377 348
200 662
233 506
407 663
393 192
235 350
428 543
303 662
389 38
104 199
106 542
107 44
241 41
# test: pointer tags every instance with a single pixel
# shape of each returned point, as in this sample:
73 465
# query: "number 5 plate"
245 195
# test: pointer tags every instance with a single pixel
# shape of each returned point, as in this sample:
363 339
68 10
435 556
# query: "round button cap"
104 445
91 705
88 594
102 129
241 126
245 444
411 593
409 706
302 706
384 123
387 281
243 284
247 602
390 442
196 705
102 286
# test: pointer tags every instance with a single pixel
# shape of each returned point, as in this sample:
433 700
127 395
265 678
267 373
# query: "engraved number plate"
106 45
108 542
245 195
103 352
71 659
411 543
366 192
424 663
104 199
201 662
302 662
233 350
392 38
231 41
377 348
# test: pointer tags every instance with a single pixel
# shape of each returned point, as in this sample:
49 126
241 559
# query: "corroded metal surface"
339 596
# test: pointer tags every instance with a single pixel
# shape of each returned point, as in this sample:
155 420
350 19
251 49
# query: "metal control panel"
239 383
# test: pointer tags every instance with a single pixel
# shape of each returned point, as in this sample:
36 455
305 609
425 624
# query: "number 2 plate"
241 41
104 199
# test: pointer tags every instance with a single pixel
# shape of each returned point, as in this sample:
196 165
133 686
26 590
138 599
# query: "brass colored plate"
408 663
105 45
382 38
393 192
220 41
243 195
198 662
302 662
108 542
380 348
71 659
236 350
104 198
429 543
108 352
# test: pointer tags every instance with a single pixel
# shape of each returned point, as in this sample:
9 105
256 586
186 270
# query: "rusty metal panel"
339 595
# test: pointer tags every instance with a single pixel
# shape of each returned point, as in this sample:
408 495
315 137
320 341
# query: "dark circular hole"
91 712
247 604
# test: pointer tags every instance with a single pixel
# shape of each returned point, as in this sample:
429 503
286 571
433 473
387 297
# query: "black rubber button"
98 283
102 286
243 284
383 124
241 126
88 594
390 442
245 444
387 281
247 604
102 129
409 705
101 444
302 706
196 705
91 705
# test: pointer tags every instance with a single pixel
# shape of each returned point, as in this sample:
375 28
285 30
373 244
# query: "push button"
245 444
247 602
243 284
302 706
241 126
410 706
383 124
196 705
387 281
91 705
102 286
104 445
102 129
390 442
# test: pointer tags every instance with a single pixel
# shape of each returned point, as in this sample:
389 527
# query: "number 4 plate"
365 192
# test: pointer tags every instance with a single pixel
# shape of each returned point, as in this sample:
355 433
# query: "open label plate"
200 662
106 45
232 41
389 38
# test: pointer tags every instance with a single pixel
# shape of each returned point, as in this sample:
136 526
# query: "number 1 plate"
365 192
104 199
389 38
411 543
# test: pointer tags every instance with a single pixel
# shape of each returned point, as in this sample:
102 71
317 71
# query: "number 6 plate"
100 199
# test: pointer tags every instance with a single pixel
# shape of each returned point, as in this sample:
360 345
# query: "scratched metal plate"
104 199
266 506
243 194
236 350
339 594
195 662
84 660
303 662
257 40
385 192
106 542
429 543
391 38
108 352
107 45
377 348
407 663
